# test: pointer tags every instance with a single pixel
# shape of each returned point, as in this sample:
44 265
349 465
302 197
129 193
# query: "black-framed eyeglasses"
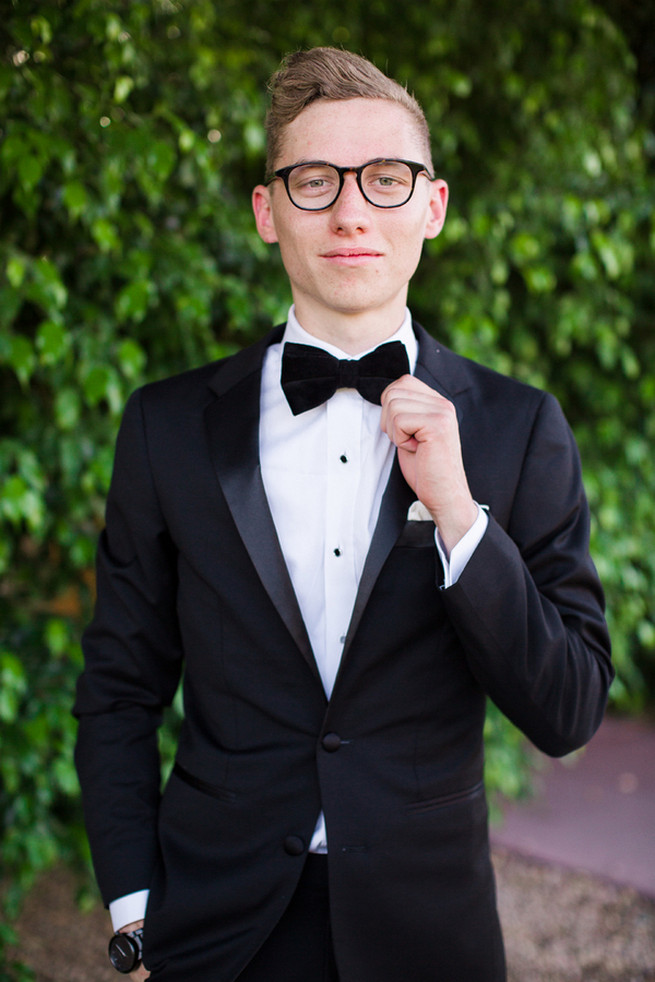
384 182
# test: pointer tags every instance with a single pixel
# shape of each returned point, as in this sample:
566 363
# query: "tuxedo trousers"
299 949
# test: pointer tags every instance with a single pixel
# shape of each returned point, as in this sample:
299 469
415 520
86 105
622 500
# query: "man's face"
351 259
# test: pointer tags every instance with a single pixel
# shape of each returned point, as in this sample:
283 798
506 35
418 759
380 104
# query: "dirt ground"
560 926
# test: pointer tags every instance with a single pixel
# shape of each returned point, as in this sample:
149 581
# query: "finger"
424 420
409 384
402 400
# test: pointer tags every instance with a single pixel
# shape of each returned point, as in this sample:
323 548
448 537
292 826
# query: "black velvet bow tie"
310 376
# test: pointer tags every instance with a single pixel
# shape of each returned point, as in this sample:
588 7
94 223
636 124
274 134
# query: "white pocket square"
418 513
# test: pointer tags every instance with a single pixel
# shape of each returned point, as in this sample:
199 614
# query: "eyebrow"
371 160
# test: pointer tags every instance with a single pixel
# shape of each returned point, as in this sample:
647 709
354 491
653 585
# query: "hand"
423 425
141 973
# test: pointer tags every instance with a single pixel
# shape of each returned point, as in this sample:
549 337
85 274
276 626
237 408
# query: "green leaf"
13 685
21 503
75 198
540 279
49 290
160 159
524 248
41 29
132 301
105 234
101 383
67 408
56 636
122 88
65 776
52 342
132 358
16 269
21 357
30 169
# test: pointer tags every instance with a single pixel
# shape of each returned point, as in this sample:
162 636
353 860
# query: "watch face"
123 953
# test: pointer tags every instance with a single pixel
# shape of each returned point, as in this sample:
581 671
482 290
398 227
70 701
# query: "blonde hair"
330 73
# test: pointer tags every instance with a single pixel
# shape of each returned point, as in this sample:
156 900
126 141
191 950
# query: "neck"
351 333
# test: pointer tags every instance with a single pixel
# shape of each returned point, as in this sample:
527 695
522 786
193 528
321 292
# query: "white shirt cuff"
463 550
128 909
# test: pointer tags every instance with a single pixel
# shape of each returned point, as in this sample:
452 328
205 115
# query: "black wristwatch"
125 950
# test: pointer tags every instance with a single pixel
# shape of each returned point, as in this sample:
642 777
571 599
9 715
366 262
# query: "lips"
351 253
352 258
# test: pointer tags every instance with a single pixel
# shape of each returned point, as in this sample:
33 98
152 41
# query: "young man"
347 551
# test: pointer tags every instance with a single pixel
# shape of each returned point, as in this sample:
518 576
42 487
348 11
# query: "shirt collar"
405 333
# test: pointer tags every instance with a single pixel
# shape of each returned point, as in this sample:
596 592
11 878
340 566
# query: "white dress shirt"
324 472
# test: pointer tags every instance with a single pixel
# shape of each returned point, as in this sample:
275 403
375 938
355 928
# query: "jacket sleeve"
529 609
132 667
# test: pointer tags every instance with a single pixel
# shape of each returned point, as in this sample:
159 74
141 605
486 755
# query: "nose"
350 210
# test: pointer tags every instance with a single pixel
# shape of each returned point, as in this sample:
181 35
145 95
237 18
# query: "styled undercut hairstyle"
330 73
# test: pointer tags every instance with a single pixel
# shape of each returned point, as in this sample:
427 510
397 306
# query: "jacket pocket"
416 534
442 801
215 790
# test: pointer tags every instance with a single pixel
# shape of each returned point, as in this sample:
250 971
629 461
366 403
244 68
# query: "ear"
437 208
262 206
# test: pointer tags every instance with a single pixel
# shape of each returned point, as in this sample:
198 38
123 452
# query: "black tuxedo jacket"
190 574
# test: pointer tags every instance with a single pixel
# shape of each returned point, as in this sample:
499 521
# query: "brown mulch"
559 925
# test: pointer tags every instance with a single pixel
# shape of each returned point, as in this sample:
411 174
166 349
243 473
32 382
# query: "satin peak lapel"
232 422
396 500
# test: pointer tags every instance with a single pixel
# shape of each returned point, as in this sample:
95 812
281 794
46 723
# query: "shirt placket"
344 421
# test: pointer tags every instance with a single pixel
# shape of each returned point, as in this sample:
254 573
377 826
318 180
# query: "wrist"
129 927
453 527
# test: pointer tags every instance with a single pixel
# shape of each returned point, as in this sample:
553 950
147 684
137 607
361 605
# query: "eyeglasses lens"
386 184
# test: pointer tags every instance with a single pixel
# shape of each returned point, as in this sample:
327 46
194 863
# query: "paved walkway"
595 812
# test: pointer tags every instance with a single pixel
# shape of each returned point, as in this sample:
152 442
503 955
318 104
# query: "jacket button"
294 845
331 742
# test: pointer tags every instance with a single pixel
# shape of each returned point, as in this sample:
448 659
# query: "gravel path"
560 926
